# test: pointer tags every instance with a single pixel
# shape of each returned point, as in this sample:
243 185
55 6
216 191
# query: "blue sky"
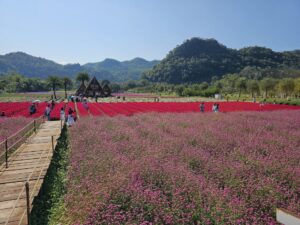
70 31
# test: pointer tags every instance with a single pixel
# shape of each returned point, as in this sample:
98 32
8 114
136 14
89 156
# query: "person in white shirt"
62 114
70 120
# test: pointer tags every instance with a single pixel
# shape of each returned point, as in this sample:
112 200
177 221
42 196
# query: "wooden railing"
15 140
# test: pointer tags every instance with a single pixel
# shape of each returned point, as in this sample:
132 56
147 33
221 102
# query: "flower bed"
16 109
232 168
81 110
9 126
130 108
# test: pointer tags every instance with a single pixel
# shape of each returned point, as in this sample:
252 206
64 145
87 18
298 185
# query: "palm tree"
67 83
81 77
54 82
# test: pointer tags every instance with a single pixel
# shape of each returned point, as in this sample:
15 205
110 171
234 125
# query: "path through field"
30 163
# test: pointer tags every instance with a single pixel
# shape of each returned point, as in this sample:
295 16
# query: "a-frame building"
94 89
106 90
81 90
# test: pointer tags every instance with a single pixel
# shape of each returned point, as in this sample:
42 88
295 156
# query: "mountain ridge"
32 66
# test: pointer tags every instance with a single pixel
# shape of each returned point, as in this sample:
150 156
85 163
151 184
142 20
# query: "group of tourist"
215 107
70 120
80 98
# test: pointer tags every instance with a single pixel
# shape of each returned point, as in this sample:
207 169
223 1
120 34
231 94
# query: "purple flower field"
226 168
9 126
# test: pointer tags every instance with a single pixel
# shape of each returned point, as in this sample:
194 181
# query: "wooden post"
6 153
52 139
27 202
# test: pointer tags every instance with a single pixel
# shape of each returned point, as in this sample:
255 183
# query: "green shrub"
48 206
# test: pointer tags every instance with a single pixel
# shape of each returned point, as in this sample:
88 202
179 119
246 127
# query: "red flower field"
130 108
15 109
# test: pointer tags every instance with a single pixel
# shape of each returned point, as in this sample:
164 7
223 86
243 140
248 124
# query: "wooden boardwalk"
29 163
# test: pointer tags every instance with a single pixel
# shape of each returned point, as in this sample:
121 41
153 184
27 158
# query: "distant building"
218 96
93 89
106 90
81 90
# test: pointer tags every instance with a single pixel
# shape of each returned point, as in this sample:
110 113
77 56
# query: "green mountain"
198 60
29 65
110 69
131 70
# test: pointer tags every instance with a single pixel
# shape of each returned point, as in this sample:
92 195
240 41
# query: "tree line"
16 83
228 85
249 81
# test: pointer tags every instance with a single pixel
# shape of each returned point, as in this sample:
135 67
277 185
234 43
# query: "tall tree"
228 83
253 87
82 77
241 84
286 86
297 87
267 84
54 82
67 83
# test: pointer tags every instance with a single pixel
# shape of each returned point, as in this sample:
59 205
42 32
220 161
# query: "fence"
15 140
40 167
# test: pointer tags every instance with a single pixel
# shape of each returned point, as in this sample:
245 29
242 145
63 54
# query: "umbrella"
37 101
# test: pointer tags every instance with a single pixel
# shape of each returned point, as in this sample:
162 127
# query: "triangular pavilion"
106 90
81 90
94 89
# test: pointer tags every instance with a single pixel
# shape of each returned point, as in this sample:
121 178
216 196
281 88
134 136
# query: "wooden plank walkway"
30 163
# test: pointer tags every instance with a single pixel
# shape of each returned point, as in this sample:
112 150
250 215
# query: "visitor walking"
218 107
202 107
62 114
47 112
32 109
85 105
52 104
70 120
70 111
215 107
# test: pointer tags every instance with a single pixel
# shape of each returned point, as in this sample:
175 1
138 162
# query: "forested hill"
198 60
113 70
